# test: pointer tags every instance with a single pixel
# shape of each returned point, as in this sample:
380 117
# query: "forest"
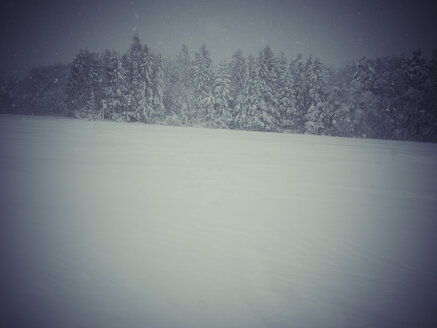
384 98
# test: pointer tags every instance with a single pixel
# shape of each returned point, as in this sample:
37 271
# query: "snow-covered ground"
130 225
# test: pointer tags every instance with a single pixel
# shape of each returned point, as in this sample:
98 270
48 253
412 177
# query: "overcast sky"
36 33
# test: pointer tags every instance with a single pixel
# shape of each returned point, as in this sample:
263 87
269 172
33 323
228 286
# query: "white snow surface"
129 225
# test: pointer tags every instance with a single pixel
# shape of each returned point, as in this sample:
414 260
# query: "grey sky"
35 33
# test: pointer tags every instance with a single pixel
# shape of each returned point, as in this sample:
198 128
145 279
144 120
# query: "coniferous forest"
386 98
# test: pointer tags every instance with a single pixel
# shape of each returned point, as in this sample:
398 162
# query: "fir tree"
146 87
157 87
84 86
316 116
430 100
238 76
184 78
136 93
364 101
250 104
222 113
298 86
283 93
266 73
416 78
113 86
203 83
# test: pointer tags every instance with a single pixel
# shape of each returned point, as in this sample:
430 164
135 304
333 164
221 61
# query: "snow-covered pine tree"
185 66
222 117
364 101
202 83
337 108
157 88
111 102
129 102
284 100
169 88
185 91
136 87
416 73
139 62
316 76
238 74
146 86
388 84
178 90
250 103
242 100
84 86
339 101
266 73
429 132
298 85
121 92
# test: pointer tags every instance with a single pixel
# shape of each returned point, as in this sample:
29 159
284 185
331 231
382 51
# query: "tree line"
388 98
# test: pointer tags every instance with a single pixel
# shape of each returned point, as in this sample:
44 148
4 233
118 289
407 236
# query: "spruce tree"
364 101
84 86
298 86
284 100
250 104
146 87
114 88
222 112
184 78
238 74
416 72
157 87
266 74
202 83
136 91
316 115
430 100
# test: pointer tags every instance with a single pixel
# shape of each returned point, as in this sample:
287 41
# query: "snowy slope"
130 225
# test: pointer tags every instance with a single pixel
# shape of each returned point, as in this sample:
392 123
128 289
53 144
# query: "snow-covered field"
130 225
